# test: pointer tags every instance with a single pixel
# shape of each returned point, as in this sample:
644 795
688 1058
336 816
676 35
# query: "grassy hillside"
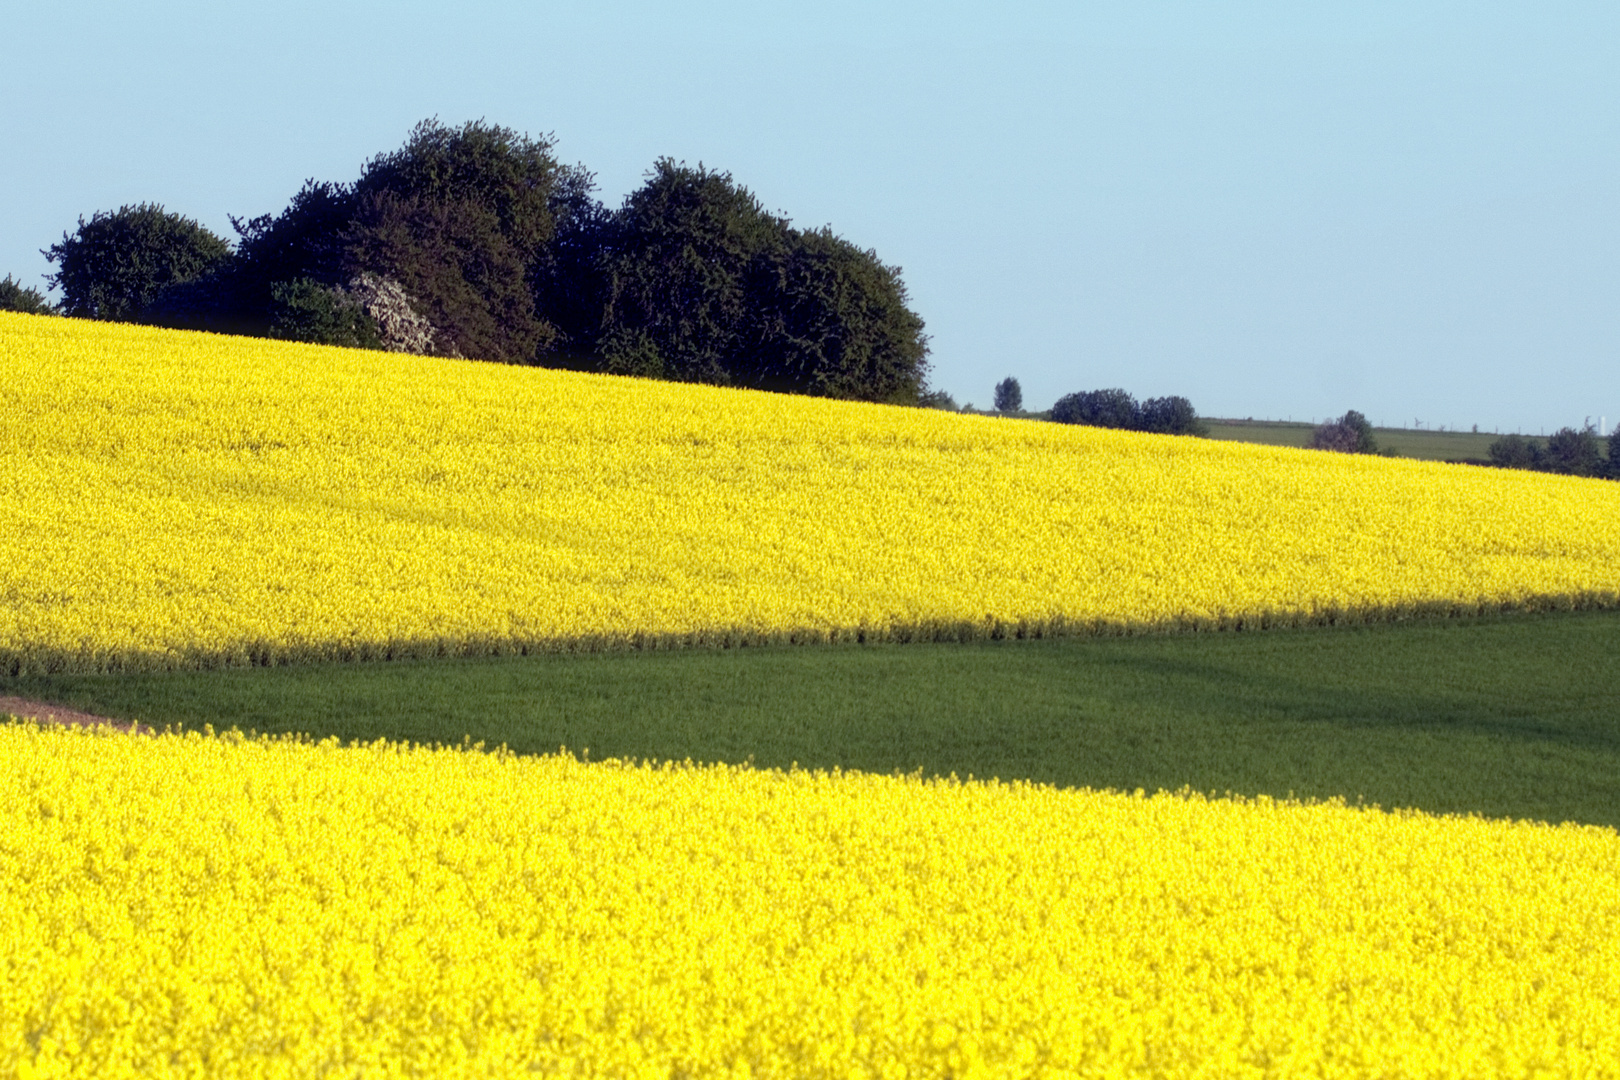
182 499
198 905
1423 445
186 500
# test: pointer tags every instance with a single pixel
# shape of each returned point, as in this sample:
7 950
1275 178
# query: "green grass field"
1422 444
1515 716
1403 442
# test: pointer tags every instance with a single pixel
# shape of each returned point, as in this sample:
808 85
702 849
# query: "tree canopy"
458 216
116 265
701 284
507 255
1116 408
1349 434
1574 452
678 262
15 296
1009 396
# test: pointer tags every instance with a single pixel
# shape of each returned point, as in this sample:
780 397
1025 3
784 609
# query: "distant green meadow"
1506 716
1424 444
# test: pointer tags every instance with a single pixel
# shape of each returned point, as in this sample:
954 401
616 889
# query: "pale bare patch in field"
45 713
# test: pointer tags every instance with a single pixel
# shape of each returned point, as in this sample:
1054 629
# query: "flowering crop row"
221 907
180 499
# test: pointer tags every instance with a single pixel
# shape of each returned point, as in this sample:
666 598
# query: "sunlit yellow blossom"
220 907
174 498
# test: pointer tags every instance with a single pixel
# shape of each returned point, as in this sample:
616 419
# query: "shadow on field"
1504 716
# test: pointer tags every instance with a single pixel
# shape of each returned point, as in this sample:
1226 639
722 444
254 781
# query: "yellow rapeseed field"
180 499
222 907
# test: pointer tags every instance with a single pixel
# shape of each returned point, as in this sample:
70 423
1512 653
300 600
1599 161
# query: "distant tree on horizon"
459 216
15 296
1115 408
1573 452
1173 415
1009 396
1349 434
508 256
1569 451
1514 451
117 265
702 284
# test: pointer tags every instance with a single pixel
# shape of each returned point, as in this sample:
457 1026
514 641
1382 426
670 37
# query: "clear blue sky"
1275 209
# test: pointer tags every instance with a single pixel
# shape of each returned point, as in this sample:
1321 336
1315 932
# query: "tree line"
475 241
1112 408
1571 451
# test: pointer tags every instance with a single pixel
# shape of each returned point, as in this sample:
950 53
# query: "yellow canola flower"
191 906
182 499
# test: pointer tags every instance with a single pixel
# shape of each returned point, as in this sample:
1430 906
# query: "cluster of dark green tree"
1117 409
474 241
15 296
1009 396
1349 434
1572 451
1097 408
